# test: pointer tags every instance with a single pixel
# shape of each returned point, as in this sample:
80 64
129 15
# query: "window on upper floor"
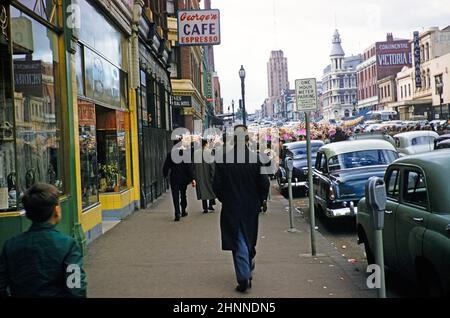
170 7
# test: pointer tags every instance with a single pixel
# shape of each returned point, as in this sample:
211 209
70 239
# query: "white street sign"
306 94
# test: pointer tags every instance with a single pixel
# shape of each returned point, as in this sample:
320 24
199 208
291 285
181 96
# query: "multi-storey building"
339 83
418 94
278 81
380 60
433 43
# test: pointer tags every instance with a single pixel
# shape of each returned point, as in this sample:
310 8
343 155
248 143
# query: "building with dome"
339 83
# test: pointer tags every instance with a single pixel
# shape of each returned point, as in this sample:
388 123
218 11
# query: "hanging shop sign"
417 60
182 101
199 27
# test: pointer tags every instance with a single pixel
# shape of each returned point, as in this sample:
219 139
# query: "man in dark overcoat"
181 175
242 188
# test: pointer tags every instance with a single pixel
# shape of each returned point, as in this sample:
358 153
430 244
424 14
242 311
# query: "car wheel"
429 282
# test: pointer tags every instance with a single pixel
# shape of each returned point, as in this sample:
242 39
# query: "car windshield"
361 159
300 153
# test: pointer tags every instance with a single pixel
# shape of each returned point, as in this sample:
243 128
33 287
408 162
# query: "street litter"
352 260
344 247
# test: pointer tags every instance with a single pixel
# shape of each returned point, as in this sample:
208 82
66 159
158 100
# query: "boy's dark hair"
40 201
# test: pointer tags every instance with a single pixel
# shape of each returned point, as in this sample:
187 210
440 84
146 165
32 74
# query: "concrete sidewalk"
149 255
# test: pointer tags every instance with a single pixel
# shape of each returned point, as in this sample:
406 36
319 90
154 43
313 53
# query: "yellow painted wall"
113 201
91 218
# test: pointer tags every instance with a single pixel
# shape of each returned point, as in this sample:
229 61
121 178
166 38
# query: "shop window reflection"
37 106
46 9
7 156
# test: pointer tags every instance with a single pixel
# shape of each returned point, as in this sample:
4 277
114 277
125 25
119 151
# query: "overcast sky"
303 30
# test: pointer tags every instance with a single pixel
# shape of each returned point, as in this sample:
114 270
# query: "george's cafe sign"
199 27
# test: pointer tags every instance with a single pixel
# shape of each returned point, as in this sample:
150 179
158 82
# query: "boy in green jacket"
42 262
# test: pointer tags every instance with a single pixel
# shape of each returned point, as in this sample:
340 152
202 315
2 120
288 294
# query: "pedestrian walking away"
181 175
204 177
242 188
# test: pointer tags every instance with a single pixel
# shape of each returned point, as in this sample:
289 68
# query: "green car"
416 234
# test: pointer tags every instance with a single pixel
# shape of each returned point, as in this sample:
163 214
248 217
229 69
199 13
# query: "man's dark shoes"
264 206
205 211
184 214
244 285
211 208
177 218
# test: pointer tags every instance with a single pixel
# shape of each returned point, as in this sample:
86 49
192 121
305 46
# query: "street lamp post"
242 76
440 87
354 107
232 105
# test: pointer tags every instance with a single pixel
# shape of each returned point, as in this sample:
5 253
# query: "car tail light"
332 194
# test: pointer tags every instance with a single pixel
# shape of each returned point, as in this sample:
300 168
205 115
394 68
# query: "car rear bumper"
335 213
298 184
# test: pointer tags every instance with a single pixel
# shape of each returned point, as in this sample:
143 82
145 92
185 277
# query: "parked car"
416 235
444 144
297 151
373 135
415 142
440 139
342 170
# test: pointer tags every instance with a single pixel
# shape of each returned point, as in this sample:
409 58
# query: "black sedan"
297 151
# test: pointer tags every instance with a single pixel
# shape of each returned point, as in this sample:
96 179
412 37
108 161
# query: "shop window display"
111 144
88 153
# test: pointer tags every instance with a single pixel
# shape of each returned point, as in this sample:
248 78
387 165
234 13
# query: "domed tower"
337 53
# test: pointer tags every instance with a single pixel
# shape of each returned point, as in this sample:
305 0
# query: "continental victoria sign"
396 53
199 27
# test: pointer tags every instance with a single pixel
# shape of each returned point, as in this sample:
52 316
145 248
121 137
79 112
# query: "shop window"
108 41
112 142
47 9
37 103
7 154
88 153
103 79
79 67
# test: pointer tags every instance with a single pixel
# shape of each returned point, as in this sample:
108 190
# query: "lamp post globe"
242 76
